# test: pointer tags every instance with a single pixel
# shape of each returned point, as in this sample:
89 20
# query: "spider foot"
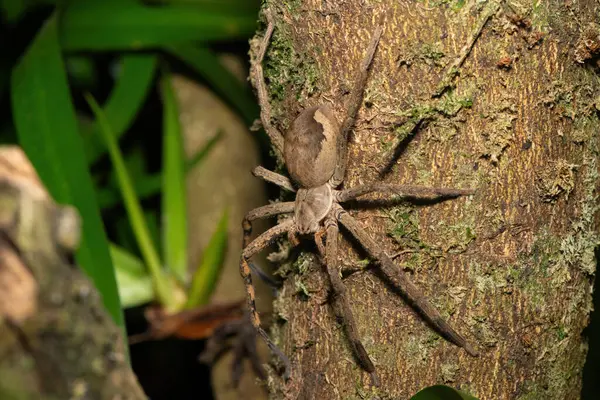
287 366
375 379
470 350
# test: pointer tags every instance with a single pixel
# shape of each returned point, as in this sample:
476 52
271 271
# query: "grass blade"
206 275
135 285
134 211
152 221
205 63
149 185
125 101
47 130
174 207
203 152
130 26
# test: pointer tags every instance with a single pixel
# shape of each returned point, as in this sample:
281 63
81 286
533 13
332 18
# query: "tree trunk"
56 339
499 97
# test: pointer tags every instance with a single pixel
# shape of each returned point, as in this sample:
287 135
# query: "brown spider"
315 154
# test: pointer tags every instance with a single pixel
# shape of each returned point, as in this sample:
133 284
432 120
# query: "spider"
315 153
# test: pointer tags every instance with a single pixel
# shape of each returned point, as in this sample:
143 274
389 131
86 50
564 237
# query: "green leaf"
130 26
203 152
206 275
164 292
154 229
46 126
126 99
135 284
149 185
441 392
203 61
135 163
136 167
174 207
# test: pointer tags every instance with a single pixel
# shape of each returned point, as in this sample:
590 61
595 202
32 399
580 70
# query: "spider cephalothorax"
311 207
314 152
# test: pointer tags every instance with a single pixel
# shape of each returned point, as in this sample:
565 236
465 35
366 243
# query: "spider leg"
237 364
341 306
273 177
263 97
401 281
258 244
267 211
263 212
253 355
273 283
398 192
217 344
354 104
244 346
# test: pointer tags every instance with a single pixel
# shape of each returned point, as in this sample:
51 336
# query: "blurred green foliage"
65 52
46 125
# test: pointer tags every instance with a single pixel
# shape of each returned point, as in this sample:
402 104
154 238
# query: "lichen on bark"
512 266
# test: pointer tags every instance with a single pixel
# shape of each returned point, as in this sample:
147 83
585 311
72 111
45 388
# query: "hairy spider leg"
341 305
273 283
354 103
401 281
261 89
273 177
258 213
267 211
400 192
217 342
246 348
253 354
258 244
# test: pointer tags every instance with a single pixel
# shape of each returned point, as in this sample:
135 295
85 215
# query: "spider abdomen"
310 149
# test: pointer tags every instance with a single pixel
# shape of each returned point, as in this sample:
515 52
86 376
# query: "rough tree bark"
502 97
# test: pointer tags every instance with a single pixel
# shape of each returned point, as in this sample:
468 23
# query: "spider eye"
308 227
